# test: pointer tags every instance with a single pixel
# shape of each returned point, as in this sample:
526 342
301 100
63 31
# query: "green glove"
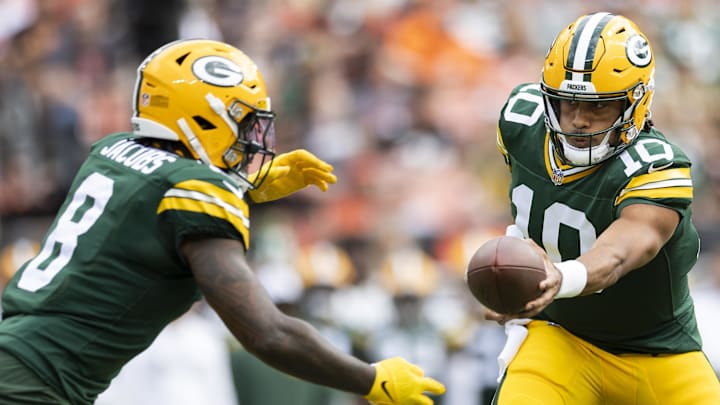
398 382
291 172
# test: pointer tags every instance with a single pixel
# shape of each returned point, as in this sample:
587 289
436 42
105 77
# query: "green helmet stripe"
583 46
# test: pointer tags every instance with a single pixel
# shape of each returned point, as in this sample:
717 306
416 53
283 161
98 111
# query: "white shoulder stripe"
660 185
198 196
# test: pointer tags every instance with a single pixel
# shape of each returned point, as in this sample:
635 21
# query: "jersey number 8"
87 205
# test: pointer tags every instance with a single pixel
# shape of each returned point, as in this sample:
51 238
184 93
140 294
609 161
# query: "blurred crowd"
402 97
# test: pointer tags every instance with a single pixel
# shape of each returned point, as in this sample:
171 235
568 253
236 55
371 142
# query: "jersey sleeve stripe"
500 143
195 199
668 174
501 146
660 184
213 190
203 197
196 202
673 192
670 183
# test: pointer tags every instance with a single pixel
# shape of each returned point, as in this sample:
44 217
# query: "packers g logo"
638 51
218 71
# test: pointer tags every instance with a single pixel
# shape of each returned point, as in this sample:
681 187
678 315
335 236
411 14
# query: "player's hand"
549 286
289 173
398 382
491 315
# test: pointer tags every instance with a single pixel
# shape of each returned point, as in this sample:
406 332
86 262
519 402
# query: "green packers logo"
638 51
218 71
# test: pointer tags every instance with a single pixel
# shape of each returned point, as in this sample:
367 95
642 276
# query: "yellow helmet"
209 96
324 263
408 270
599 57
15 255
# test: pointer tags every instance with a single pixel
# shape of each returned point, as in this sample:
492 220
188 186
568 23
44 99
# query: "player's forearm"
625 246
286 343
298 349
289 344
605 266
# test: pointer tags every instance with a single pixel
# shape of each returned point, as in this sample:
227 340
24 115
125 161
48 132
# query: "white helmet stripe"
586 37
136 93
141 69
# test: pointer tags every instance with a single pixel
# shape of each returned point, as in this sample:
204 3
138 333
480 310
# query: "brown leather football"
504 274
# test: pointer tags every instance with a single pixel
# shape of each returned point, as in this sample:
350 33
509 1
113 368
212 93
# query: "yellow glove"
398 382
291 172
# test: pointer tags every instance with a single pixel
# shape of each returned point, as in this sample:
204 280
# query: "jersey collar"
561 173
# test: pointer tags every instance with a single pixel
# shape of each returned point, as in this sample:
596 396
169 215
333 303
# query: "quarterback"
159 217
605 197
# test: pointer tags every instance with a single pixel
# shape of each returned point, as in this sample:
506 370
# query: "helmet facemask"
615 138
254 145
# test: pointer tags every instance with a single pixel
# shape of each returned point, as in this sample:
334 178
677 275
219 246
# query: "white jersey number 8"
88 202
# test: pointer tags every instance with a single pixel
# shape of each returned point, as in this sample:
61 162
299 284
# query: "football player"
607 197
157 218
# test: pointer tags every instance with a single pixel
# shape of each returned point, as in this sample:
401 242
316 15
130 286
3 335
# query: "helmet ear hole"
203 123
181 59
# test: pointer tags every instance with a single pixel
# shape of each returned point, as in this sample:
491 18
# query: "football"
504 273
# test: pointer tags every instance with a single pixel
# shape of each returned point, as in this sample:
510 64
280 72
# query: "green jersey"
564 209
109 275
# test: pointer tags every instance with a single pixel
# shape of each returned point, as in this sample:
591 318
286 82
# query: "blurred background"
402 97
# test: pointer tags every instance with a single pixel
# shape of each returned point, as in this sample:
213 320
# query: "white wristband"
574 278
514 231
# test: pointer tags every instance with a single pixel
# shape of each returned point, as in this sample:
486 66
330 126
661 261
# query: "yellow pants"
556 367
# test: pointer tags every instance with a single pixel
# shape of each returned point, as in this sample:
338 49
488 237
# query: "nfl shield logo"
557 177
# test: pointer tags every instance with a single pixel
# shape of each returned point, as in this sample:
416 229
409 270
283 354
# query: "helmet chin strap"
194 141
219 108
586 156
